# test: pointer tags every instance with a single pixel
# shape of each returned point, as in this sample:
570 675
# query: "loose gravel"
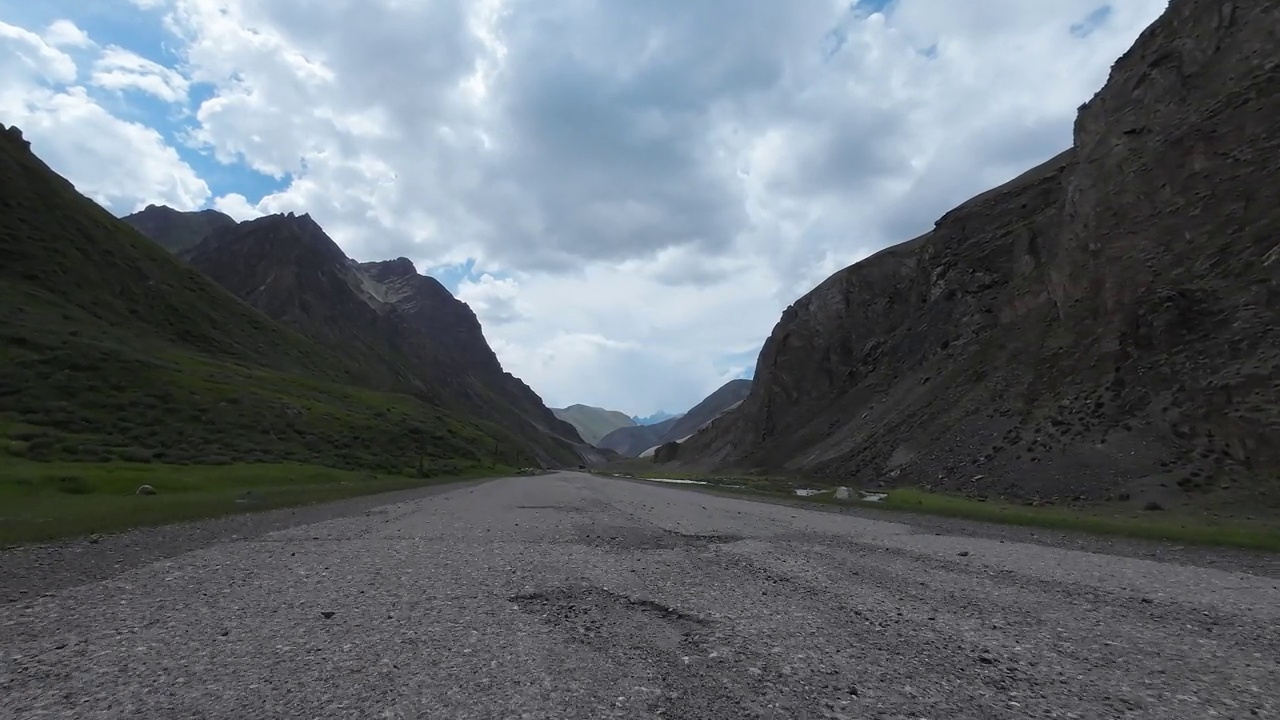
571 596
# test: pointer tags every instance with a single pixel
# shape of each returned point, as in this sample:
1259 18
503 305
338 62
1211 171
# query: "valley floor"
569 595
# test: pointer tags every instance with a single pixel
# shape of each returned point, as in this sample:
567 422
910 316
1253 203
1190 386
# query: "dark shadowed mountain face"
722 400
112 349
632 441
174 230
403 328
1104 323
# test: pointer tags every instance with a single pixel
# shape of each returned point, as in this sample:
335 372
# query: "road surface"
571 596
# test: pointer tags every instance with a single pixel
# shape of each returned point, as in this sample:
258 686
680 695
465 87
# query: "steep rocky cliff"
405 329
1107 324
428 322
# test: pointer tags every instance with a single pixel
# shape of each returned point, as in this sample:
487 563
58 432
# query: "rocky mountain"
112 349
593 423
1104 325
174 230
635 441
404 330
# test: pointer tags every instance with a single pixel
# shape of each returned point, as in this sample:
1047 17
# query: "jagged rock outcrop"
15 133
405 329
1105 322
175 230
634 441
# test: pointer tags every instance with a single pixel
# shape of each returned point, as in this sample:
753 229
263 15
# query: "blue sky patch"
109 22
1091 22
863 8
451 276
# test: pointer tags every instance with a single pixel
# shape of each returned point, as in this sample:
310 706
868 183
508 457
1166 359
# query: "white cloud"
652 182
620 336
119 69
64 33
237 207
498 301
123 165
27 59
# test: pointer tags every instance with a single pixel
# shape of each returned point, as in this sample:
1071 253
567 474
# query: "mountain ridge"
175 230
403 328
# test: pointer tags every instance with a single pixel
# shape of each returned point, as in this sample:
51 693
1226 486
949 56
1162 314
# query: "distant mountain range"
636 440
653 419
593 423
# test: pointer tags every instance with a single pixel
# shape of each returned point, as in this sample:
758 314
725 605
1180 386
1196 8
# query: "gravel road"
572 596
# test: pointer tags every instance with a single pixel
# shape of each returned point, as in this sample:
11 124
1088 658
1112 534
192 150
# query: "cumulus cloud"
124 165
26 59
64 33
647 183
237 207
120 69
497 300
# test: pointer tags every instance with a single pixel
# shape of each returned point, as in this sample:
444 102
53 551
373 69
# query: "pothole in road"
692 666
629 537
606 620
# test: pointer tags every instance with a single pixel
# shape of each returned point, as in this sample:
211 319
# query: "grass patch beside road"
1175 526
47 501
1181 526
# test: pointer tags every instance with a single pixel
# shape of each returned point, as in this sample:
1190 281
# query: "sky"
628 194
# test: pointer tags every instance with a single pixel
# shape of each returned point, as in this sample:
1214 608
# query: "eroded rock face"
1107 321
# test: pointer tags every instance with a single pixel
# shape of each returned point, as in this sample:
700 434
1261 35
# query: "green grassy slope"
46 501
112 349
